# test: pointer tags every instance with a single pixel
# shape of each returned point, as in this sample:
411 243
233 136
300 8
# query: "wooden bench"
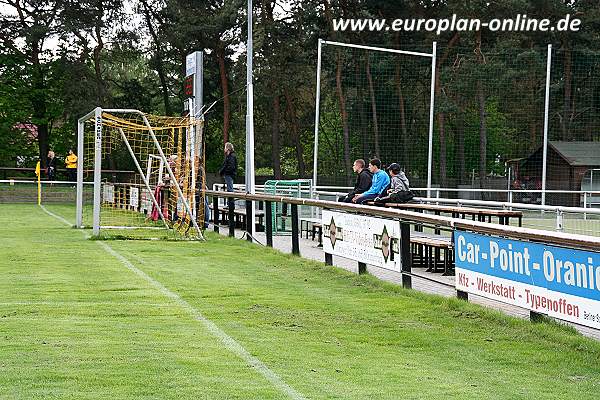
313 225
240 216
427 251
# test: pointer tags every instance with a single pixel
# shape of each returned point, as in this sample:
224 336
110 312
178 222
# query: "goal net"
371 103
147 173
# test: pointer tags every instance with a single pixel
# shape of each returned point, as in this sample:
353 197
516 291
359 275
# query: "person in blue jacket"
379 183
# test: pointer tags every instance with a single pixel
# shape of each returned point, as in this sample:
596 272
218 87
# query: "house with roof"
570 166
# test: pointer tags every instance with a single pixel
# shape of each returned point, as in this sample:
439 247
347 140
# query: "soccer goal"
147 173
373 102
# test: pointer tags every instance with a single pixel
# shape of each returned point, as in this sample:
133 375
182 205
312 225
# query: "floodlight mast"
250 123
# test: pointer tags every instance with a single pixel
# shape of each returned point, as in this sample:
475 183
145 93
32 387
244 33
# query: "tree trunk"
404 132
442 128
97 65
276 149
441 115
373 109
225 91
344 114
295 134
482 118
460 150
568 77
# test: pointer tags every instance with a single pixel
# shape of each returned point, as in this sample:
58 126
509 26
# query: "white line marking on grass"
230 343
58 217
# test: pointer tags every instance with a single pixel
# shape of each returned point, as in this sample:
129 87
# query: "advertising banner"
369 240
559 282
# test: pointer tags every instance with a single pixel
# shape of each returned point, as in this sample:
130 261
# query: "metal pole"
250 121
97 168
79 201
317 106
431 109
546 110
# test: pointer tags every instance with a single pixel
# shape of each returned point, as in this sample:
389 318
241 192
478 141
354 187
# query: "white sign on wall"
146 202
370 240
190 64
134 197
108 193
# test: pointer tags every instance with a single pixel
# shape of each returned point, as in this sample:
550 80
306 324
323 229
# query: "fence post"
269 222
231 216
328 259
559 220
585 196
405 255
295 231
249 220
216 213
362 268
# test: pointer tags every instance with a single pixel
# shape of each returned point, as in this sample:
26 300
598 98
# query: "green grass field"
76 322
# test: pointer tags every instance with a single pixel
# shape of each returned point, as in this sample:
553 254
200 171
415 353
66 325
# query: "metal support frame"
546 111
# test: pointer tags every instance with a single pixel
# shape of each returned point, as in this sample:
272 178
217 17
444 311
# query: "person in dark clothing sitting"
363 181
229 168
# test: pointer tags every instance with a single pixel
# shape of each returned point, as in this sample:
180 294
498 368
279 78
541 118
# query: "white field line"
230 343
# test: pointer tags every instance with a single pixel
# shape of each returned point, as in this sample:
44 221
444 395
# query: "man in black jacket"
229 168
363 181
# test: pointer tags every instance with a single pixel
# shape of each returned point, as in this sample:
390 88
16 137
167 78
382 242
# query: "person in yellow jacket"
71 164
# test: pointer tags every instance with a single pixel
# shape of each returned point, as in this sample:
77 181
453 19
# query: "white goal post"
132 128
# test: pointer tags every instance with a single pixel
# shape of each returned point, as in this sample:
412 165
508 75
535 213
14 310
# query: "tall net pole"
317 106
431 110
546 110
250 120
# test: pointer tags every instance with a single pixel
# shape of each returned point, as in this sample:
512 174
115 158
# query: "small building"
571 166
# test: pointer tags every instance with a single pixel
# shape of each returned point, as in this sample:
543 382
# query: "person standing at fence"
229 168
380 182
71 164
363 181
51 166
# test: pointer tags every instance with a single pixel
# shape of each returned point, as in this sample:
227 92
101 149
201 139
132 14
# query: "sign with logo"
370 240
559 282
